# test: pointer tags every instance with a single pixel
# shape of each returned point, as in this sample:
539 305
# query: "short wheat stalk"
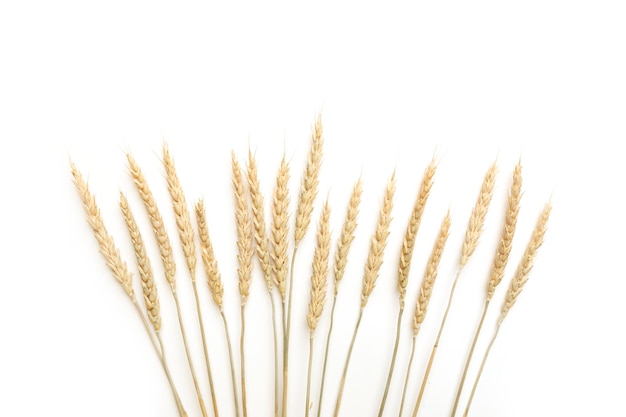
150 294
216 287
318 289
472 237
406 254
517 284
498 267
372 270
341 259
308 192
263 254
423 299
167 257
187 240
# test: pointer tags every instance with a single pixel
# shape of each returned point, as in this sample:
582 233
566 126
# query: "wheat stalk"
498 267
215 285
406 254
318 288
515 288
341 259
372 268
150 294
263 254
472 237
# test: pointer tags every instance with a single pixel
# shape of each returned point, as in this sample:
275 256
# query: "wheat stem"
205 349
330 332
345 367
287 323
308 378
179 403
243 360
276 359
406 378
232 361
480 371
393 362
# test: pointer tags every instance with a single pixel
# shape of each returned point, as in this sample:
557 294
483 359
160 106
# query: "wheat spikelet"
308 191
411 231
526 264
506 240
258 221
150 295
106 244
208 257
244 232
477 219
183 220
378 243
430 275
347 234
280 228
163 240
320 269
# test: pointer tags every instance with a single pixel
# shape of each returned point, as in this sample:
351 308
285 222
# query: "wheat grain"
244 232
378 243
508 231
320 269
208 256
347 234
430 275
156 220
477 218
106 244
308 190
280 227
408 244
150 295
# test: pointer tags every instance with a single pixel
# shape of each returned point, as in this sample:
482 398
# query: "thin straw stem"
287 312
330 331
232 362
181 410
480 371
406 378
308 379
393 363
345 368
243 360
469 359
275 354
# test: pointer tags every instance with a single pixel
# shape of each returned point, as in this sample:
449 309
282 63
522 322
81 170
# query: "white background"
396 83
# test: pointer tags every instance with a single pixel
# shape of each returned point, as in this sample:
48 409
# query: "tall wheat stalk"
406 254
423 298
120 271
318 290
167 257
498 267
341 259
187 240
372 269
472 237
308 192
263 254
515 288
216 287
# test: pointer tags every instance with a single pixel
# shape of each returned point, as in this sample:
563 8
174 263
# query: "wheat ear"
263 254
319 279
215 285
280 228
517 284
341 259
406 254
472 237
150 294
499 264
370 275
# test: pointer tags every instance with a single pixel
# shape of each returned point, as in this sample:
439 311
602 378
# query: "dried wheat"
280 208
208 256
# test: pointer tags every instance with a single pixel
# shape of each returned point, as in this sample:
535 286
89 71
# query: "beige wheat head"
181 212
408 244
320 269
244 232
508 231
347 234
258 220
477 219
150 295
208 256
308 190
280 227
163 240
526 264
430 275
378 243
106 244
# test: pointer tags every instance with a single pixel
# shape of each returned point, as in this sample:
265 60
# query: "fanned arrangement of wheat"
267 238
